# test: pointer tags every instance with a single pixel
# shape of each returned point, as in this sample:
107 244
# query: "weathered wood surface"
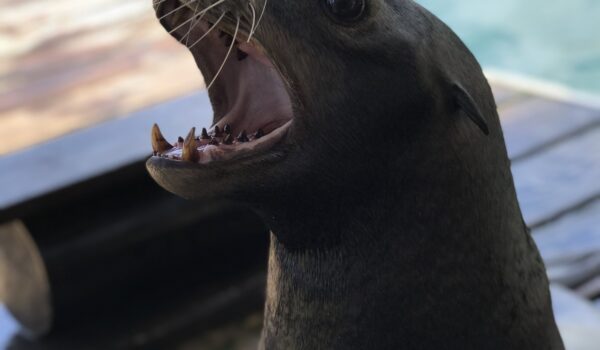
575 234
82 63
555 149
559 178
534 123
88 153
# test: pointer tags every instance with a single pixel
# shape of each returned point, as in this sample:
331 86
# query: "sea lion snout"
252 107
305 82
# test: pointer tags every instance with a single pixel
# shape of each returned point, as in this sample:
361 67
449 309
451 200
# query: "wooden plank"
533 124
87 153
575 273
106 59
575 234
591 289
560 177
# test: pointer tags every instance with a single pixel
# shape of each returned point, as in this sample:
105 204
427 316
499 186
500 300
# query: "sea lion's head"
315 98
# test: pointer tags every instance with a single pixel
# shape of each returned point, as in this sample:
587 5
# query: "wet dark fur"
395 220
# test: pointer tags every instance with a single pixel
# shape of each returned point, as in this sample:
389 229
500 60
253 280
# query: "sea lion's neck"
410 268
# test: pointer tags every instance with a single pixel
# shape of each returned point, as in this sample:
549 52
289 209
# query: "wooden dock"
108 64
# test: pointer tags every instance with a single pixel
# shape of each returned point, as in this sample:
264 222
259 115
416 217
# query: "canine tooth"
228 140
227 129
190 136
159 144
241 55
205 134
190 152
242 137
258 134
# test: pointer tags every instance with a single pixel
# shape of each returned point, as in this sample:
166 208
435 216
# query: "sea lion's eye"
345 10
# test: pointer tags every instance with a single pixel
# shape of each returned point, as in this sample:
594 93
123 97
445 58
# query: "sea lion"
367 137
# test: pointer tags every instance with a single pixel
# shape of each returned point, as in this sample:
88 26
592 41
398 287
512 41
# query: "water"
557 41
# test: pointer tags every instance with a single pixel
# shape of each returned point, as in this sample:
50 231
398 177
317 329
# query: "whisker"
196 15
177 9
260 18
182 24
253 21
212 6
237 27
209 30
155 3
192 26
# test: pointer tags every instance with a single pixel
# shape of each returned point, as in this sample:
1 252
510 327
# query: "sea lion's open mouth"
252 108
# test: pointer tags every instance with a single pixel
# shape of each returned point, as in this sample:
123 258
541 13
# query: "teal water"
553 40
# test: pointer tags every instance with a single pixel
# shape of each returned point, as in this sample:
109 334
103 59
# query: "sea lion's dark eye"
345 10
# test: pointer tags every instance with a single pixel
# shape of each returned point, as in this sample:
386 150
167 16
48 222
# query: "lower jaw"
203 150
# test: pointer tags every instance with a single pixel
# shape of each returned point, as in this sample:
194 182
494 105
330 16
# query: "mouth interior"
252 108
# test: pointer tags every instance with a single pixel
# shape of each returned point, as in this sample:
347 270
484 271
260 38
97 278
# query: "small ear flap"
465 102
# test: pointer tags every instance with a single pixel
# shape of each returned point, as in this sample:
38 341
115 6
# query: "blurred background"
93 255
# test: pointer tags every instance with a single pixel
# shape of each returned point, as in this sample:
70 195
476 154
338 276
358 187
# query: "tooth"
228 140
190 136
205 134
227 129
159 144
190 152
217 132
214 142
258 134
242 137
241 55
